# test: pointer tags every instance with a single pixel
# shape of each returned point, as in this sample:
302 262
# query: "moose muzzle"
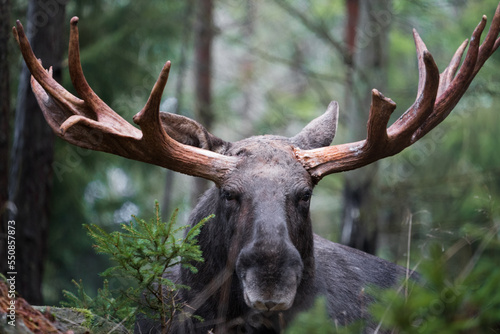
270 274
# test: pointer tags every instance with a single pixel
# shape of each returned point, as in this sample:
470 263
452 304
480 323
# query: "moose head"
261 256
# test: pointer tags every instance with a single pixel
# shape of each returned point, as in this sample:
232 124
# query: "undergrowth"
445 300
144 253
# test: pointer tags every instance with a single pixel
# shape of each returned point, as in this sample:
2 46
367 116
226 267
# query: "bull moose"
263 264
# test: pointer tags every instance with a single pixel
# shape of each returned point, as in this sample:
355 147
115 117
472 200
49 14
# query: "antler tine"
381 110
448 74
149 117
420 48
491 42
437 95
78 78
456 89
401 131
90 123
50 85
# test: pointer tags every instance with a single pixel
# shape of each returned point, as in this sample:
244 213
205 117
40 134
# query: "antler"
437 95
92 124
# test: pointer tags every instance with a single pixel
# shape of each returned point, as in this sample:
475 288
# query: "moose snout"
269 276
269 296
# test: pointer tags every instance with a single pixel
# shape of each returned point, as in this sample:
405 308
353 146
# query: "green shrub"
142 252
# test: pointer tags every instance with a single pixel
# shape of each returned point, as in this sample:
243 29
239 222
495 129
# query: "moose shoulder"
263 264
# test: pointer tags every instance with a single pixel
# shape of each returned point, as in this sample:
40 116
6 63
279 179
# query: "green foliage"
316 321
111 306
144 254
445 301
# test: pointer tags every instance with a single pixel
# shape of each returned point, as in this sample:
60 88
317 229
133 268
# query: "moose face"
266 201
262 232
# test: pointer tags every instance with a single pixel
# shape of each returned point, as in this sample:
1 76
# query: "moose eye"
229 195
306 196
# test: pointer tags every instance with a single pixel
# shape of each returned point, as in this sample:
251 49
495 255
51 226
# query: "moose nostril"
258 305
270 305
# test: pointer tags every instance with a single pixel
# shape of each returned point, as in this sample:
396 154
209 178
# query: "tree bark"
30 180
204 33
4 124
367 34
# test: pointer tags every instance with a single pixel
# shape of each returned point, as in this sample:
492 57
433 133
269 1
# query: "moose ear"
320 131
189 132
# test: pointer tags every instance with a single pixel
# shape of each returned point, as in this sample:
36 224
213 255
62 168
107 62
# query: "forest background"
245 68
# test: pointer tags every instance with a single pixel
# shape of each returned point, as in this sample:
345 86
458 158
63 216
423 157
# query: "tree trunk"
32 152
204 33
367 33
4 124
247 68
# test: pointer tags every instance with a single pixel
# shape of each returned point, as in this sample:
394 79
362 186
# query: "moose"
263 264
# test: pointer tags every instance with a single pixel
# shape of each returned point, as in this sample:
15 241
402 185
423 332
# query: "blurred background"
244 68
